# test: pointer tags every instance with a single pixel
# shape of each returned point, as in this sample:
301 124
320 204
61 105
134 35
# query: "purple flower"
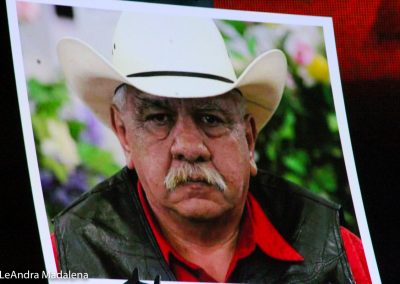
93 132
61 197
47 179
77 181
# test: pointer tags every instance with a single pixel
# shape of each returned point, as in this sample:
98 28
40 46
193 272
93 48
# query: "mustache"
187 172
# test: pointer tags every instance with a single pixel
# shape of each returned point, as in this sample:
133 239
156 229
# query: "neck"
209 244
205 234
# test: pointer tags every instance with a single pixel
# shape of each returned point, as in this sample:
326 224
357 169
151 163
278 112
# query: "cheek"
151 160
231 159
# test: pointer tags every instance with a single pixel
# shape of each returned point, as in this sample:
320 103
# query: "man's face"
160 135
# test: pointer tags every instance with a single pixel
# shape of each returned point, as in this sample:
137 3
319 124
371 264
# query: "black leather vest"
105 234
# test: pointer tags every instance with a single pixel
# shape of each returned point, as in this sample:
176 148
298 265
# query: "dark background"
370 68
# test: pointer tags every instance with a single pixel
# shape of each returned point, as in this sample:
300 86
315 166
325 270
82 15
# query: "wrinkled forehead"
231 101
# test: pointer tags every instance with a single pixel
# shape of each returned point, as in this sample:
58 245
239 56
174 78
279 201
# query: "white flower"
60 145
265 36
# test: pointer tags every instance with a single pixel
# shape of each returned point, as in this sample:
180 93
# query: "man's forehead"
227 99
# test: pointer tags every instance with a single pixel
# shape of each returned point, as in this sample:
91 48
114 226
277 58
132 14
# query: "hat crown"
153 43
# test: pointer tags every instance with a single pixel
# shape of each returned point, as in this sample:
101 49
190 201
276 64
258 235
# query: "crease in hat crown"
170 56
167 43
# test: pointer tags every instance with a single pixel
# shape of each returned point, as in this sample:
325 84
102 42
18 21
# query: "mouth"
198 186
197 190
195 181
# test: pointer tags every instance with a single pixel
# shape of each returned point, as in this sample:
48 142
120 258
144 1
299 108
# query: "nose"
188 144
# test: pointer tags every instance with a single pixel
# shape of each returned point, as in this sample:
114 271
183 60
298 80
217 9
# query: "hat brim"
94 79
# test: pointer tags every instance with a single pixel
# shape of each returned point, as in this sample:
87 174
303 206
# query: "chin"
202 218
201 211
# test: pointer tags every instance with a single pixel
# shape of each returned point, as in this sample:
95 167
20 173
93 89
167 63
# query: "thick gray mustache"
193 172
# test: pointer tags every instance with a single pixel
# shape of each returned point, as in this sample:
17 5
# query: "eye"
211 120
159 118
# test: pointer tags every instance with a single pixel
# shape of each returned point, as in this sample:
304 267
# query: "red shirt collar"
256 230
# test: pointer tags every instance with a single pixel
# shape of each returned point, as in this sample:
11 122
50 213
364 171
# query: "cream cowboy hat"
179 57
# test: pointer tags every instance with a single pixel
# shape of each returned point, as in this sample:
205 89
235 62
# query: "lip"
196 190
196 184
197 187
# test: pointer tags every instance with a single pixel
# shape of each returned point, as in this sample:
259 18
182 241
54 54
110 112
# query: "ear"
119 128
251 137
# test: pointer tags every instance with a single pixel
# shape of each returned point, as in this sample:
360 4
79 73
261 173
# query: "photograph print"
193 144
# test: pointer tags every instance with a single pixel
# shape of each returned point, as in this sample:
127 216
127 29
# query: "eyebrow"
142 103
209 106
215 106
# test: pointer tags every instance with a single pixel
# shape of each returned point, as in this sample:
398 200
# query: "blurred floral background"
68 145
301 142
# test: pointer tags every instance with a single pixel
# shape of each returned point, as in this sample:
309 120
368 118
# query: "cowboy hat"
170 56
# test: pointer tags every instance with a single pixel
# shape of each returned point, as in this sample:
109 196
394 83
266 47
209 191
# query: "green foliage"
58 169
76 128
301 143
240 27
48 98
97 160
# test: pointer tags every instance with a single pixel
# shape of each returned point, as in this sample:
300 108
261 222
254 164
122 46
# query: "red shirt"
254 228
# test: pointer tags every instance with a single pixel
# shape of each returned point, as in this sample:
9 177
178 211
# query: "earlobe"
251 136
253 167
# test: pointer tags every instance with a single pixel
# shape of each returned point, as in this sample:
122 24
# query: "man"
191 204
